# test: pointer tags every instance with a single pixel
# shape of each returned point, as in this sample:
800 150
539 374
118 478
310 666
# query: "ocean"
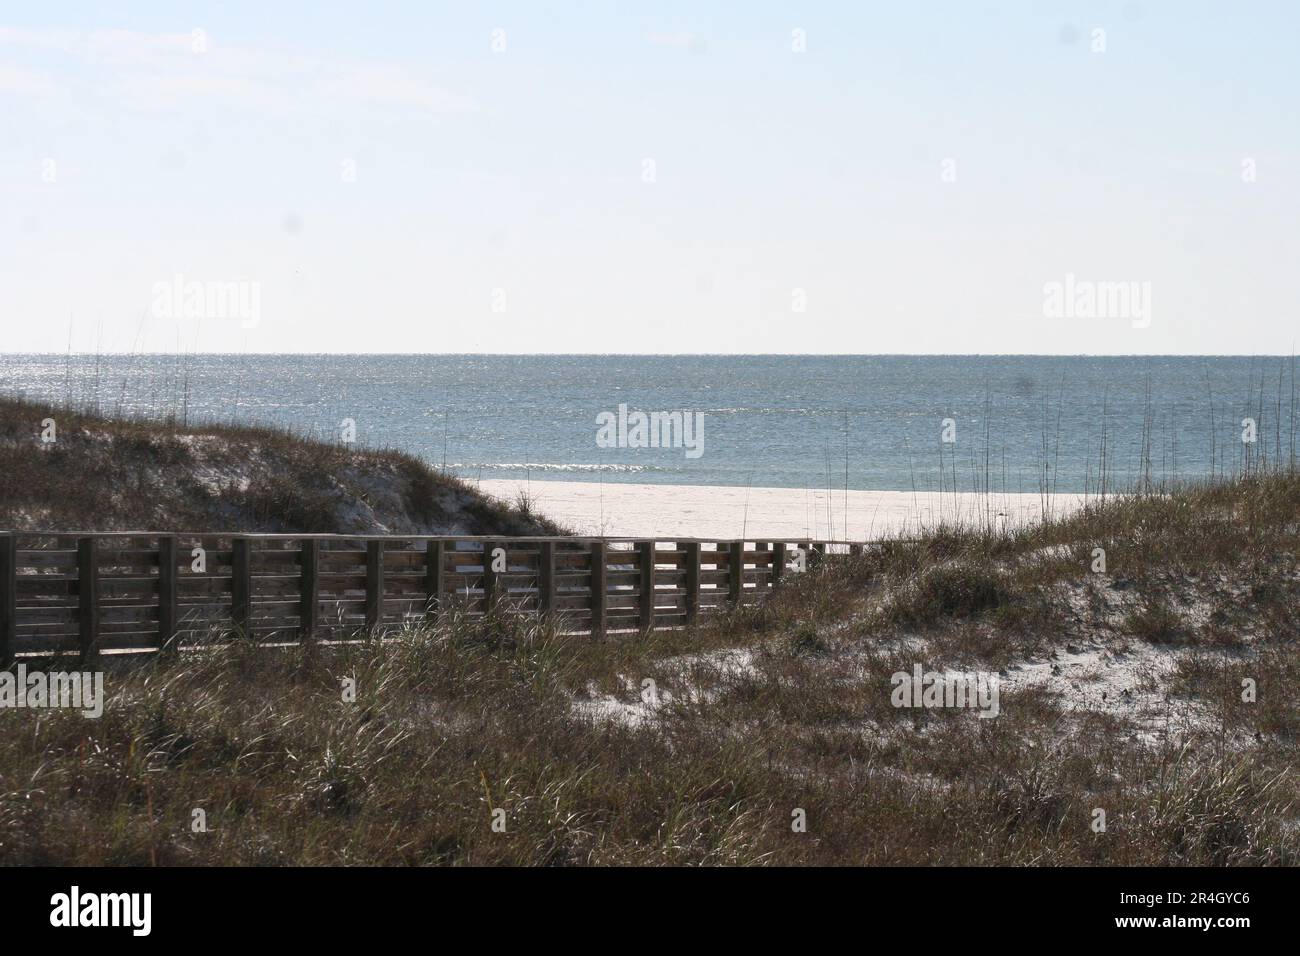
1016 423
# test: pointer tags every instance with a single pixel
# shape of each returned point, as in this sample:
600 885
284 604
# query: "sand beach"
704 511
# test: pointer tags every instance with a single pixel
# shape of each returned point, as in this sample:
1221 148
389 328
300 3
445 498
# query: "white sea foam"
552 466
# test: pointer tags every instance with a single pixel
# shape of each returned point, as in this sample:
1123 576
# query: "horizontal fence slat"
66 591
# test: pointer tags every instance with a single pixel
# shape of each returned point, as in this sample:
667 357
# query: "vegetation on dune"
113 474
774 709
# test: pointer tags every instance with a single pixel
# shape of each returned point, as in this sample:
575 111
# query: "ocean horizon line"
708 355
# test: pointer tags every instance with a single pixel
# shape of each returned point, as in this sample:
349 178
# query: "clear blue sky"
513 179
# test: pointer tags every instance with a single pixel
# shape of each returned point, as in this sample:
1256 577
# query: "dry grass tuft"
755 715
105 474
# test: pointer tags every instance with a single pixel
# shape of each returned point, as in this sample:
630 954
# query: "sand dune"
705 511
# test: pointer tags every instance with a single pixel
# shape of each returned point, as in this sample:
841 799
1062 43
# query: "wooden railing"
121 592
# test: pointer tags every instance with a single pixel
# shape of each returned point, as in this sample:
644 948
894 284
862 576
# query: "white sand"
709 511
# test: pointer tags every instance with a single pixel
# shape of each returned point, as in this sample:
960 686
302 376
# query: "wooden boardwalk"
137 591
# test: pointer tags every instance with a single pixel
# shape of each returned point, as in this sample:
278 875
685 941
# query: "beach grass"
145 474
502 740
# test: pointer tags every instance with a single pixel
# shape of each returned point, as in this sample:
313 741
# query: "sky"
670 177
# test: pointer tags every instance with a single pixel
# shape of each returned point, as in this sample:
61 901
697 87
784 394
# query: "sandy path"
705 511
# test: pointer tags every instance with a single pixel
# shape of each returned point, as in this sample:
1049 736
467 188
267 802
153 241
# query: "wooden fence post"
8 597
309 588
433 561
736 570
647 589
598 589
489 575
692 581
167 621
87 596
243 599
241 585
546 578
374 584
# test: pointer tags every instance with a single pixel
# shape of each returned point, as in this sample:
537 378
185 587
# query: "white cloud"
391 86
695 42
25 82
128 47
37 40
157 92
159 71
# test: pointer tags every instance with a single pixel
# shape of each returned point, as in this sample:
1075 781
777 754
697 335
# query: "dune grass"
753 720
117 474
